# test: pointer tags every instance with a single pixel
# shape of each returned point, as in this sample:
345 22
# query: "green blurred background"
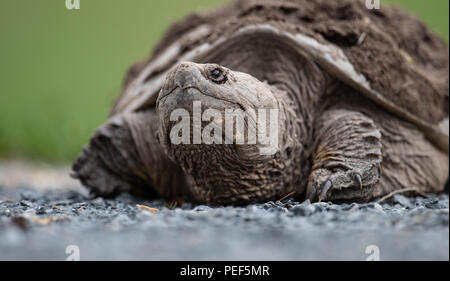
60 69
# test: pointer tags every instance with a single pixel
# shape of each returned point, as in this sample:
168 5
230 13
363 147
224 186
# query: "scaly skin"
329 151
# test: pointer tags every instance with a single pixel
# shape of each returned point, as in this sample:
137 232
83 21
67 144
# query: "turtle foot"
341 185
347 157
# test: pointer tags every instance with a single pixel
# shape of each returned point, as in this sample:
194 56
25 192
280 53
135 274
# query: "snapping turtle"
361 98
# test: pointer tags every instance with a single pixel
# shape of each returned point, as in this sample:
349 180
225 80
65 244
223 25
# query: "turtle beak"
183 76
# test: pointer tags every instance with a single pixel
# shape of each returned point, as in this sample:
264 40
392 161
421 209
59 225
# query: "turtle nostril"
185 74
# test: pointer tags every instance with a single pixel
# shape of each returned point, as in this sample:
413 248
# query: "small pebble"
378 207
202 208
26 203
40 210
402 200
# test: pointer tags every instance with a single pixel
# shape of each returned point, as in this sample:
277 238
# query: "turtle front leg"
347 157
124 156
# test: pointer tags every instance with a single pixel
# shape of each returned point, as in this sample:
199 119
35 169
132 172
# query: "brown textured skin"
408 159
125 156
335 145
399 55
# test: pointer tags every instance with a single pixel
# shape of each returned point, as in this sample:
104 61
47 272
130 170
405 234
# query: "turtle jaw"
212 169
216 173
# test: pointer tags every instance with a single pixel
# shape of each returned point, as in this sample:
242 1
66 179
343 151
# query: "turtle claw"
359 180
346 185
328 184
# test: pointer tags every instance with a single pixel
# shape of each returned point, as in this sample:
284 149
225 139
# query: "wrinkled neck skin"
236 174
300 84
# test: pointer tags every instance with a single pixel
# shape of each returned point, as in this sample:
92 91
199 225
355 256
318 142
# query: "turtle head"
221 126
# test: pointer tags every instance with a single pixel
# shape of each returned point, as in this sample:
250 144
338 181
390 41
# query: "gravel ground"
38 224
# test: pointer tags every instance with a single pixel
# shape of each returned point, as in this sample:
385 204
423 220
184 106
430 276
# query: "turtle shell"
388 55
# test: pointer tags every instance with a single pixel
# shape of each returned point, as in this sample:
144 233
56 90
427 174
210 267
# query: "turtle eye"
217 75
